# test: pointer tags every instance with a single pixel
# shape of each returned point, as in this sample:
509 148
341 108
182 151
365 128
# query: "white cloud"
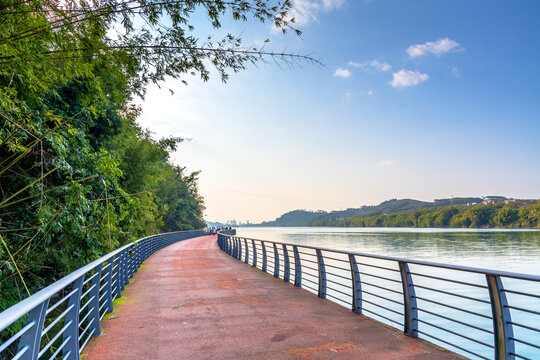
370 92
438 48
384 66
406 78
380 66
455 71
386 163
306 11
342 73
332 4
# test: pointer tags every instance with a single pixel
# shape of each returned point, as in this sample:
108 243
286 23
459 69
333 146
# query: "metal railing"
465 309
58 321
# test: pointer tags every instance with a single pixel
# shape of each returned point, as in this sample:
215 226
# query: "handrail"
521 276
86 294
426 299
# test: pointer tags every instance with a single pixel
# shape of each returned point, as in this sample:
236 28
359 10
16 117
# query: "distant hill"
307 217
295 218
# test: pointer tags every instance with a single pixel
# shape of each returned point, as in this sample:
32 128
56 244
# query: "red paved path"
192 301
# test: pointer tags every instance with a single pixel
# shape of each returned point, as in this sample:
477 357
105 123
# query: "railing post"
31 339
121 271
286 264
322 275
410 311
145 250
93 301
128 261
254 253
118 275
236 249
297 268
239 252
276 261
502 329
356 286
71 334
134 257
264 256
246 257
108 287
134 250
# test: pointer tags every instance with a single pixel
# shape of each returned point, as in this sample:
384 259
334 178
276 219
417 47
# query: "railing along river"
58 321
465 309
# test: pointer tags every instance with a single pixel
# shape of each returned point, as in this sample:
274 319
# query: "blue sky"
422 99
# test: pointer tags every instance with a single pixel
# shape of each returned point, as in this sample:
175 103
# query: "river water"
502 250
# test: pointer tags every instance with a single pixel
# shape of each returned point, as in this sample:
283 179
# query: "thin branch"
121 196
14 264
252 53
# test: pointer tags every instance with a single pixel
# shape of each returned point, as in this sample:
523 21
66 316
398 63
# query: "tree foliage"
78 176
500 215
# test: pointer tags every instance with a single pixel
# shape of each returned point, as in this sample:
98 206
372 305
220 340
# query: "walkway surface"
192 301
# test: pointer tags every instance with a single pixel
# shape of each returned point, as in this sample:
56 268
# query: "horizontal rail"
505 274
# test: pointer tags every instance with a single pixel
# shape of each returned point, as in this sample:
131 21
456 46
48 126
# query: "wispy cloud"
406 78
375 64
438 48
342 73
386 163
456 72
306 11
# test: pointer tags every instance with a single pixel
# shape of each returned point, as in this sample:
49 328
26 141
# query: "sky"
416 99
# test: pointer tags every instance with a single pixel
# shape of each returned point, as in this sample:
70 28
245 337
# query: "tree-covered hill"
321 218
510 214
295 218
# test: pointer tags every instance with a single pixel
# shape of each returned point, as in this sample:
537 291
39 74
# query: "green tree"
506 215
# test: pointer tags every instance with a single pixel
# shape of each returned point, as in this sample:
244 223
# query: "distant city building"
493 199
